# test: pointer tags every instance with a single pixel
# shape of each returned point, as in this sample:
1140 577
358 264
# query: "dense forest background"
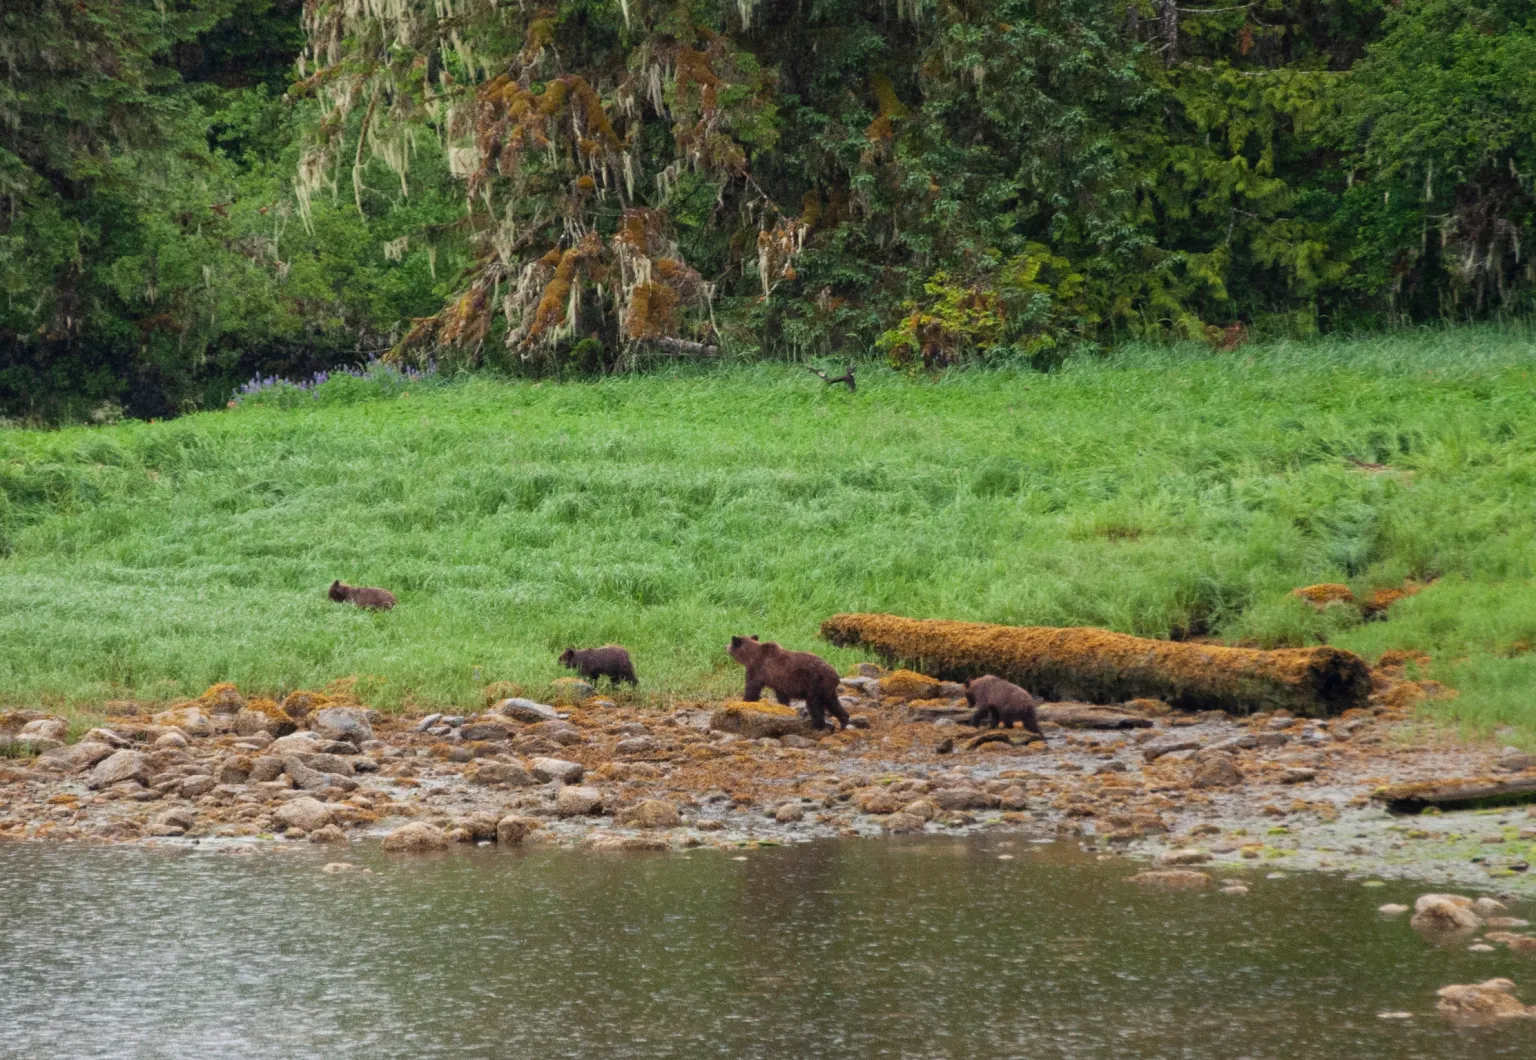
193 192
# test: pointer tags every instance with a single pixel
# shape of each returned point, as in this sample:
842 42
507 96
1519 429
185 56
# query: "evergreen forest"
197 192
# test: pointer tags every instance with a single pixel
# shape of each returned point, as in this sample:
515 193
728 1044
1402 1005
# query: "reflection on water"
928 948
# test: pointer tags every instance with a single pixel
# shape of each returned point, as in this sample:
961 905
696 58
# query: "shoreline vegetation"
1171 493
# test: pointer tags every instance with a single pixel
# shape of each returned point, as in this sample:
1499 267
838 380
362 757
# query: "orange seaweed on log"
1098 666
1320 596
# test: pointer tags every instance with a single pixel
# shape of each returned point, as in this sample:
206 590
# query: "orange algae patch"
905 684
1320 596
1098 666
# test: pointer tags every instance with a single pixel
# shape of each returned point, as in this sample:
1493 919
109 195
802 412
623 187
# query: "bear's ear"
754 636
336 584
735 642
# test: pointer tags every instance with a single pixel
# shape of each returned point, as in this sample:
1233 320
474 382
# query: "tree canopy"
192 192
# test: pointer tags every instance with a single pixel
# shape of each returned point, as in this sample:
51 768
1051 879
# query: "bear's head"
338 591
568 658
744 649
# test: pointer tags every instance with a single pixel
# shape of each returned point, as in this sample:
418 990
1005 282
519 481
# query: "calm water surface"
928 948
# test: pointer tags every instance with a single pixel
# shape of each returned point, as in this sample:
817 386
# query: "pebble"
1392 909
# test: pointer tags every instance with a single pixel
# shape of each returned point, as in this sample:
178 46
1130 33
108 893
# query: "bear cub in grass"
791 675
1001 703
376 599
610 661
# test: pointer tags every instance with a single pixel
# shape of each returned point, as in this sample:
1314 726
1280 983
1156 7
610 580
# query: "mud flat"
1206 789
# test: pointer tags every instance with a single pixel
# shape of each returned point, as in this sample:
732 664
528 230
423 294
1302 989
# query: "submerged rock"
1444 914
1178 878
1490 1001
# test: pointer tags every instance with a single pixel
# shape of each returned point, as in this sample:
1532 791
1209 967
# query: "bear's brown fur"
791 675
1001 703
610 661
376 599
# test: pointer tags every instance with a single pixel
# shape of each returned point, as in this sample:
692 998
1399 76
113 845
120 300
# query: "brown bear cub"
1001 703
791 675
376 599
610 661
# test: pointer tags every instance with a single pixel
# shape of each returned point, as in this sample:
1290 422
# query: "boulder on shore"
418 837
756 721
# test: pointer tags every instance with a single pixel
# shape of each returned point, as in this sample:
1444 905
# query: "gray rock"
485 730
958 799
118 767
453 721
115 740
1244 742
1155 749
193 786
341 723
902 823
329 763
235 769
527 710
789 813
81 756
795 740
508 773
311 779
426 723
264 770
635 745
40 729
174 821
547 769
1184 856
650 813
1270 739
304 743
578 801
303 813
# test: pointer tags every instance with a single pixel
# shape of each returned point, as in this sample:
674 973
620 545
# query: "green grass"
1154 492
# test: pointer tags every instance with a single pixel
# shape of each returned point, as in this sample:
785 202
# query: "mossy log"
1457 793
1097 666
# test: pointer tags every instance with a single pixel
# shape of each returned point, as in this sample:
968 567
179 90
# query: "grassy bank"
1158 492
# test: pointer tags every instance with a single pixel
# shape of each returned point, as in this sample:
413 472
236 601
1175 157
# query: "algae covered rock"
571 690
1444 914
511 830
1216 771
578 801
909 684
418 837
222 698
758 720
1490 1001
263 715
650 813
902 824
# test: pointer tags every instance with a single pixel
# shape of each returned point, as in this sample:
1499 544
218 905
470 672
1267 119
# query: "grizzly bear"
376 599
610 661
1001 703
791 675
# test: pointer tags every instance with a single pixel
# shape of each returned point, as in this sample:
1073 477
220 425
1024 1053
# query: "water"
923 948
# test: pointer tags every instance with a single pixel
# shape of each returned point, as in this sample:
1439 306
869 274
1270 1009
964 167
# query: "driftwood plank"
1457 793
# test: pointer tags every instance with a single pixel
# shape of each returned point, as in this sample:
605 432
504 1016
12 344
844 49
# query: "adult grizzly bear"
1001 703
791 675
610 661
376 599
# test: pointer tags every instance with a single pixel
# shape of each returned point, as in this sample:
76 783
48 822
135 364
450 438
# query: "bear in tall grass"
1001 703
610 661
791 675
373 599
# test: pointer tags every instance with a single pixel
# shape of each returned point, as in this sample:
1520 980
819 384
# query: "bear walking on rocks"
1001 703
610 661
374 599
791 675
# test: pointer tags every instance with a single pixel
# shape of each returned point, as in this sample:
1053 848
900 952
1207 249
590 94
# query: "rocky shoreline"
1195 792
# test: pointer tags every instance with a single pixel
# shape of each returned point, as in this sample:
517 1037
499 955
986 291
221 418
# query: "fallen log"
1456 793
1097 666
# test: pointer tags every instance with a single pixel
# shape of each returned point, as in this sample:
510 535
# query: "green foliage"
1162 491
195 192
